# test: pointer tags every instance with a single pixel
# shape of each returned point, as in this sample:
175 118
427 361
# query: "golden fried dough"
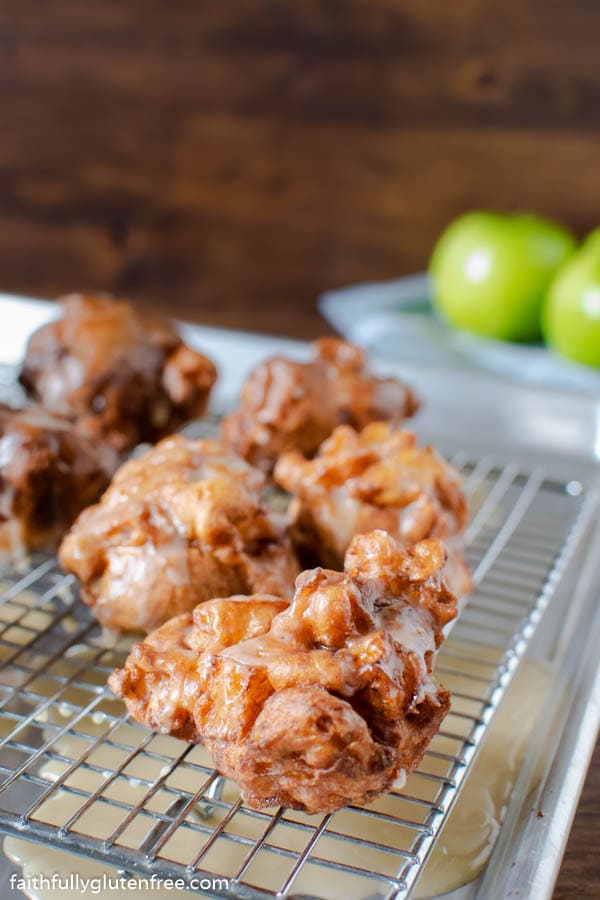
312 705
287 405
375 478
48 474
123 375
178 525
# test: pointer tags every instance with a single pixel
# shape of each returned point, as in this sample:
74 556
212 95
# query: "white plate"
395 319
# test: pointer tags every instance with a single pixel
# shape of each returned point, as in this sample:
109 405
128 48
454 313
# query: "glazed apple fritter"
48 474
180 524
312 705
124 376
287 405
376 478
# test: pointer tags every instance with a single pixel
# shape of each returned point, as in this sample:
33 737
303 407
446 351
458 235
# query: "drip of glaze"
468 836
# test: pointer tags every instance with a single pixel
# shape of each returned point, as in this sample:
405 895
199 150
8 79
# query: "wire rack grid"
76 773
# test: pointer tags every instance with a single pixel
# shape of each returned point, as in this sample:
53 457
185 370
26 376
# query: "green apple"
571 316
490 272
592 241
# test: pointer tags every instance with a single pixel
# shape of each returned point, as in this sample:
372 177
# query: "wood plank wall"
228 161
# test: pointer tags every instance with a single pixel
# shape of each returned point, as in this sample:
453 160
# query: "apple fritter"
48 474
376 478
122 375
180 524
287 405
315 704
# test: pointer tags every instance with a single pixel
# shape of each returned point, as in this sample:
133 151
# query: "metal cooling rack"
76 773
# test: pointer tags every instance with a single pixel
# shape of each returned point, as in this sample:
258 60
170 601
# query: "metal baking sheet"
530 460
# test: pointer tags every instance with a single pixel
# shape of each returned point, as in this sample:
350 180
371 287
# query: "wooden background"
229 161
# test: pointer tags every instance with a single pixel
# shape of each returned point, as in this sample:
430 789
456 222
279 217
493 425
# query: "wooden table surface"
579 875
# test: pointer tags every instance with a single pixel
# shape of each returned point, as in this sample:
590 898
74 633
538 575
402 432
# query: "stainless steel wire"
76 773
